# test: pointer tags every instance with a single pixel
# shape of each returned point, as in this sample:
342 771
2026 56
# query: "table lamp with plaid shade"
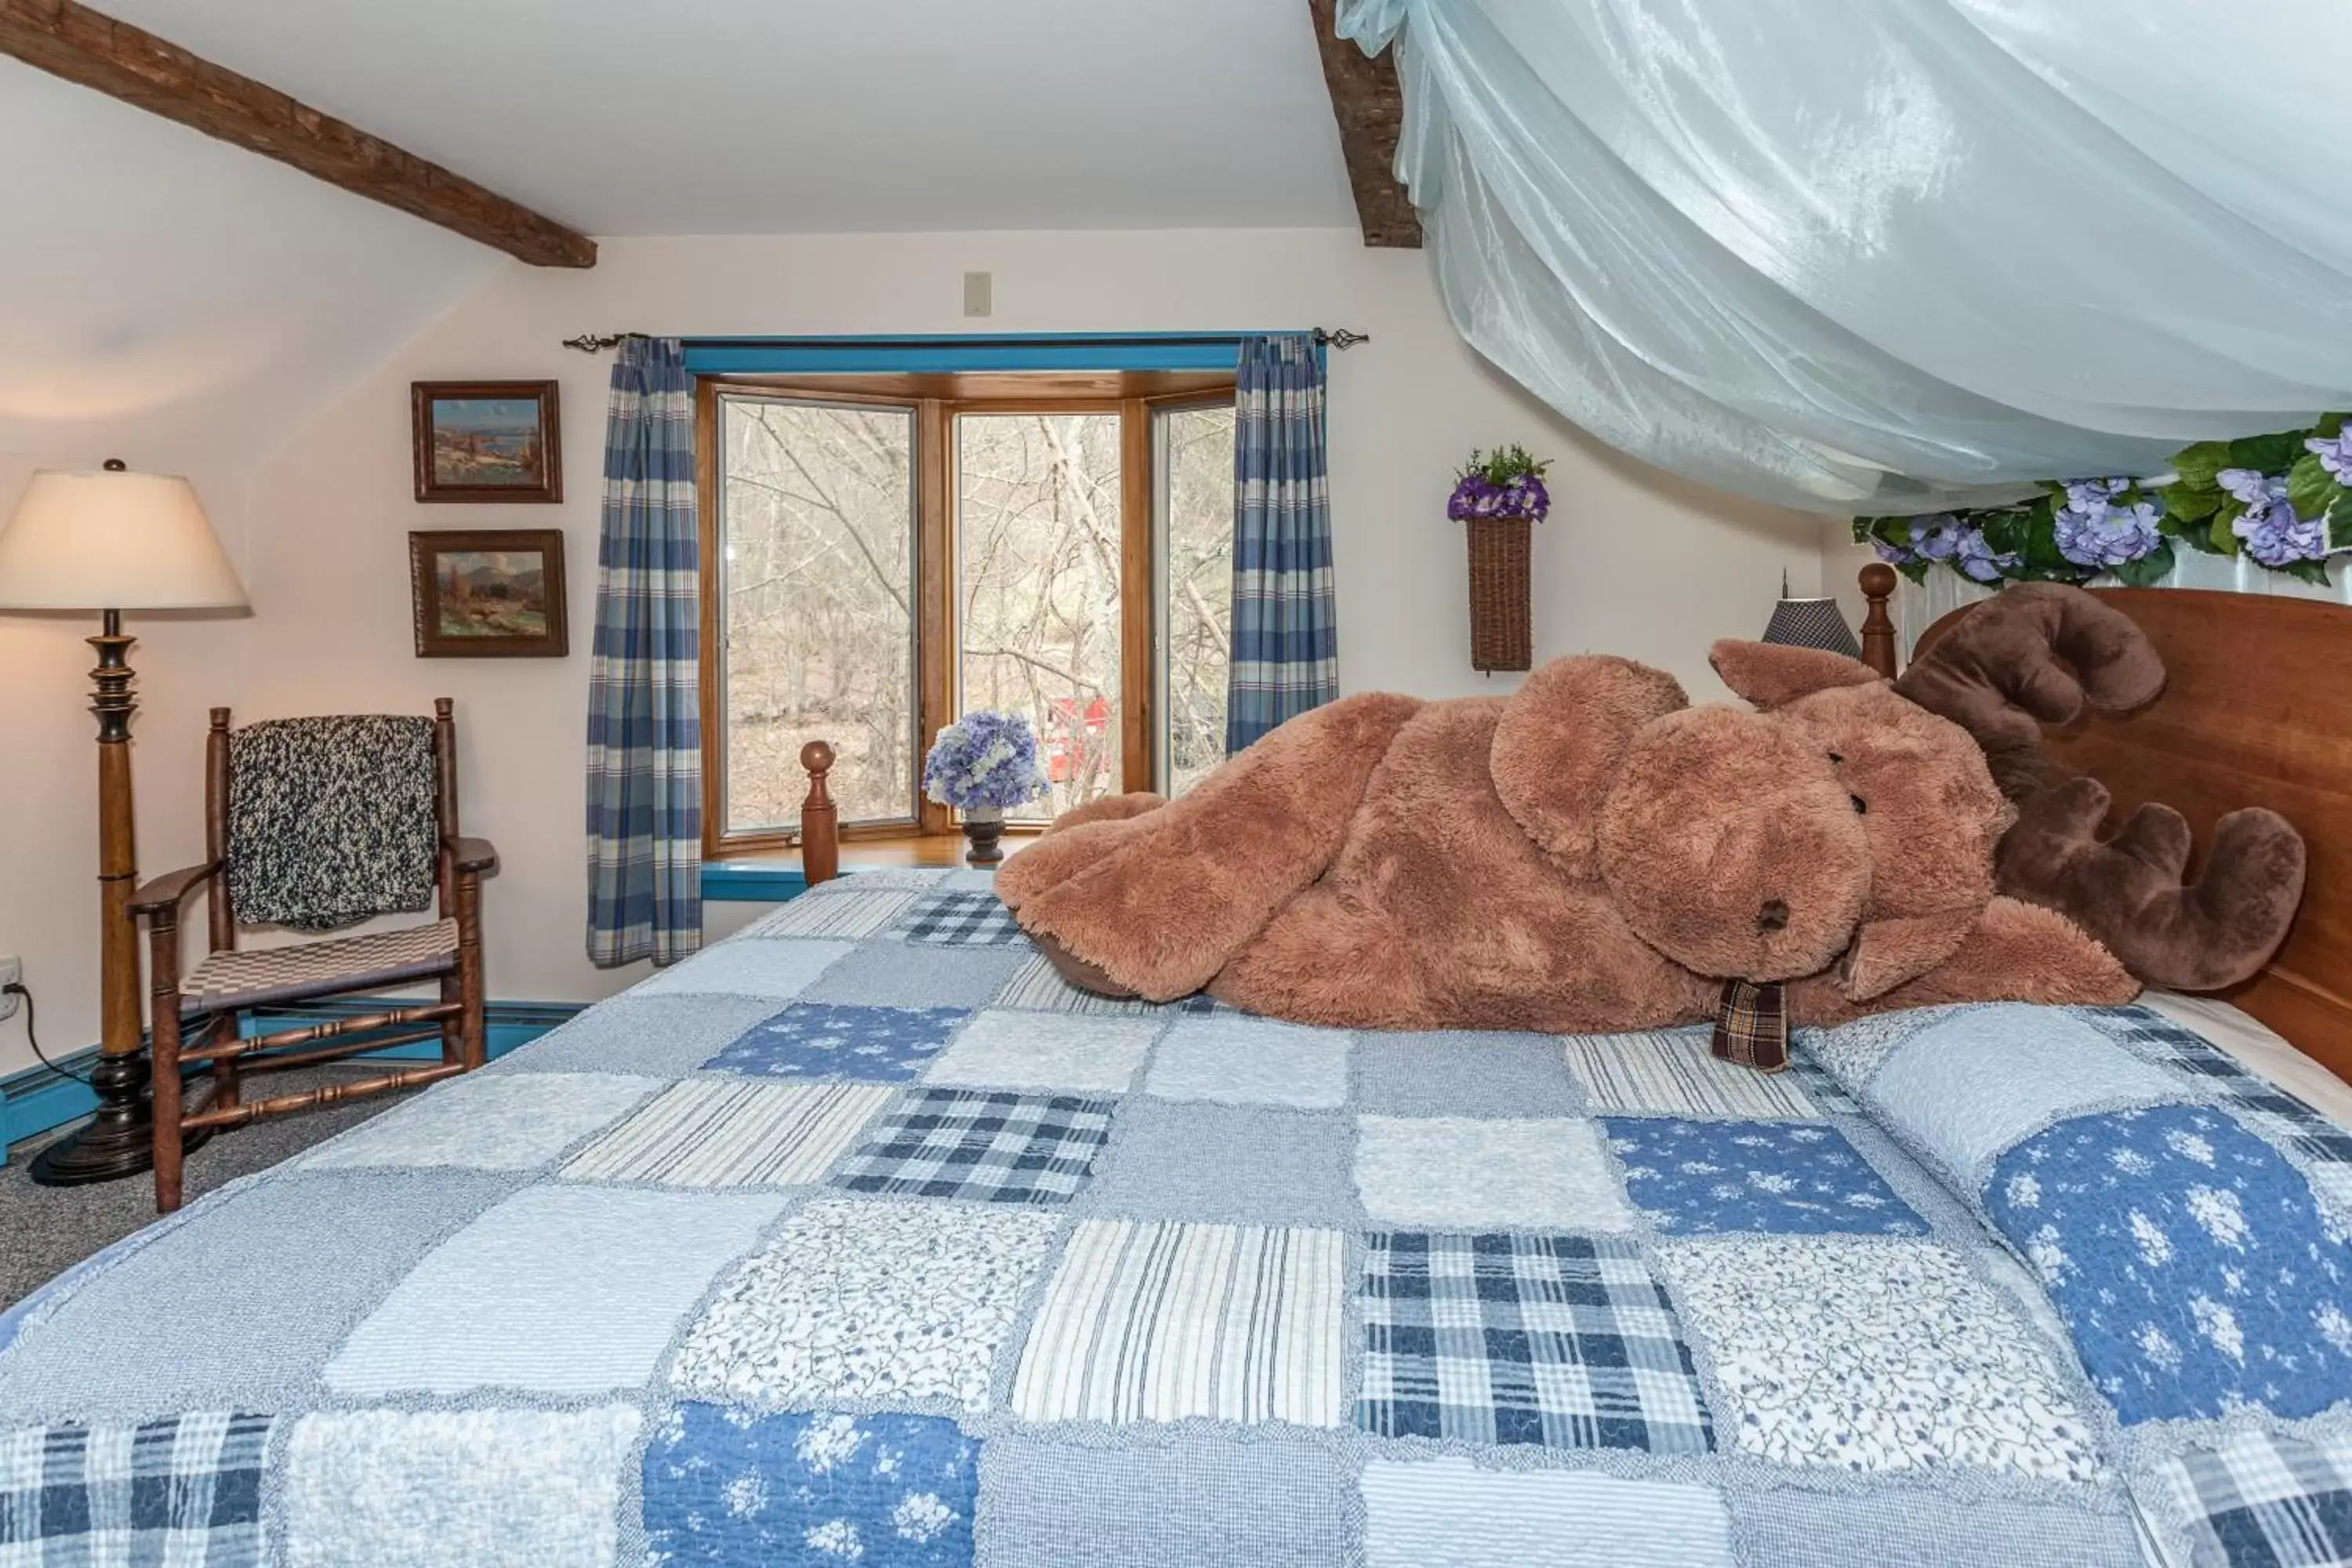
1810 623
111 541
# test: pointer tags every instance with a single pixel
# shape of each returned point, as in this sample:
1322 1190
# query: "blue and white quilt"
862 1239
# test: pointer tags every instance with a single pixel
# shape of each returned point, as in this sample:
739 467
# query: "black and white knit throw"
331 820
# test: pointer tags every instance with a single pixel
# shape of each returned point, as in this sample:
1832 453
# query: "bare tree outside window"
820 570
1196 460
818 530
1037 525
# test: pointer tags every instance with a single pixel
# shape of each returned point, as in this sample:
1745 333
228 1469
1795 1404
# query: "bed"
862 1238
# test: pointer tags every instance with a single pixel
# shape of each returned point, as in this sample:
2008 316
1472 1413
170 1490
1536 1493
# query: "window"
882 552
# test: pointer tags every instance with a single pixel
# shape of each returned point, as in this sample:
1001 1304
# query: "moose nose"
1772 917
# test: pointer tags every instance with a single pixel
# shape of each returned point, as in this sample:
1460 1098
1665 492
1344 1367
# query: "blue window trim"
750 883
1013 351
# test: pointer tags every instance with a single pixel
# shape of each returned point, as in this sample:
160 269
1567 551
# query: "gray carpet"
45 1230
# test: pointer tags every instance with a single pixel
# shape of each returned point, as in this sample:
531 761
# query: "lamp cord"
17 988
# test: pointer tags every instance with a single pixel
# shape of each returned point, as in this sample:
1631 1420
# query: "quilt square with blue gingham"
988 1147
959 919
1560 1340
182 1490
863 1238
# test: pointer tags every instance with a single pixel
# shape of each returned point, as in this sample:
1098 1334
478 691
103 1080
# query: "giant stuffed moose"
1593 853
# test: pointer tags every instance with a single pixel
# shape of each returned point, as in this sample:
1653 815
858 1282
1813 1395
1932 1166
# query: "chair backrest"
324 822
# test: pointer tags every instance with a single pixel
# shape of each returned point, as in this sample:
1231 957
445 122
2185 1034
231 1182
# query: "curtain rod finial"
1341 338
597 342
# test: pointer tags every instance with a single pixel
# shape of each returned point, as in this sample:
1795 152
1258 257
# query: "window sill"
772 876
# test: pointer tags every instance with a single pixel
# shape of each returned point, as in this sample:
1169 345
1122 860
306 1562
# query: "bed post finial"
1877 626
820 819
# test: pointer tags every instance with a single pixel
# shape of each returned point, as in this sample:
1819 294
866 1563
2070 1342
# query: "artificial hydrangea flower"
1977 560
2092 495
2269 528
2335 453
1892 554
2103 534
1937 537
984 758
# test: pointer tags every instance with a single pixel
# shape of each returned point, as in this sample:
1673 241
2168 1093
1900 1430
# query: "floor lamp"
113 540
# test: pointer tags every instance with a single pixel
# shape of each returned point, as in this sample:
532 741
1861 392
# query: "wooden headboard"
2257 710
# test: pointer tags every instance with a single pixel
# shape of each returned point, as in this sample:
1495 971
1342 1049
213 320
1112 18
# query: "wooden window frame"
936 401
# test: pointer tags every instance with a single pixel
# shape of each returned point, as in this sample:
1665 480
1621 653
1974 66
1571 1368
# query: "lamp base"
119 1141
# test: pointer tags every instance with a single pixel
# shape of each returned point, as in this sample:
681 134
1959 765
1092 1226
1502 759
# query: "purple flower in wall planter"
1508 483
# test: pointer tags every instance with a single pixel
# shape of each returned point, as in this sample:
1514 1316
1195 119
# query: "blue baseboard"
37 1100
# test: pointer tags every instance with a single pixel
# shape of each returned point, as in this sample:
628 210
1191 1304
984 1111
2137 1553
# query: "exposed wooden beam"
126 62
1370 107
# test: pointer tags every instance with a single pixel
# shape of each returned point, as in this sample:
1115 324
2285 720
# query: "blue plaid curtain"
644 728
1285 630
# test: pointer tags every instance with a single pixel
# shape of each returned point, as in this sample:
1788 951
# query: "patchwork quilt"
862 1239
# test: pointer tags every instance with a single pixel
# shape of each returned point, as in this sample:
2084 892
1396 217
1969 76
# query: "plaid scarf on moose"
1751 1025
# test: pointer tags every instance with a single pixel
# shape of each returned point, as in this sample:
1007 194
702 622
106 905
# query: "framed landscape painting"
487 440
494 592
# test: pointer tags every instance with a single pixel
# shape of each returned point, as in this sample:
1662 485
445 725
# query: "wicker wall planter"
1501 634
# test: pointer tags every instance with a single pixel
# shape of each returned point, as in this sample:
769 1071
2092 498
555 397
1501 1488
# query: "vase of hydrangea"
982 764
1496 496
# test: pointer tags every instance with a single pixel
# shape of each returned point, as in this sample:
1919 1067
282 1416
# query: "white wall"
1633 560
179 303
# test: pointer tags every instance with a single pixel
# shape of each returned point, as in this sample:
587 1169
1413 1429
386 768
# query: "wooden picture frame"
487 440
476 594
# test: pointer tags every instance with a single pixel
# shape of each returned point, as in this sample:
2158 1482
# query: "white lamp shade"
113 540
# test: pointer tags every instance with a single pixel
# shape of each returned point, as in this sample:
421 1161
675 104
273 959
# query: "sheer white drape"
1884 256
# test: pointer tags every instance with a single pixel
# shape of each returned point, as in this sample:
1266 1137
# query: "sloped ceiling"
183 302
617 117
178 301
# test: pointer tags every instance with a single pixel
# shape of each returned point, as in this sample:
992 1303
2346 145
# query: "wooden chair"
227 984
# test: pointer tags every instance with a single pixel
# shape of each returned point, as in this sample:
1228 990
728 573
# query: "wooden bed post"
1877 626
820 819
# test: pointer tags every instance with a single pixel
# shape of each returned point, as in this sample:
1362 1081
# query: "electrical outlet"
12 969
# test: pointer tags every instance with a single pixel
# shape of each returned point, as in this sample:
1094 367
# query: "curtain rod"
1334 337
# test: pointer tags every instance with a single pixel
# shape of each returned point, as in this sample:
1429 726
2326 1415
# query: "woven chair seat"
228 980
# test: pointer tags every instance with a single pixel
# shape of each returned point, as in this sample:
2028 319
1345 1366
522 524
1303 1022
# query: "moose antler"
2041 652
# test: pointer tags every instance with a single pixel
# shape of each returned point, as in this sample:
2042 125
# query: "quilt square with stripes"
1671 1072
183 1490
1159 1322
822 1039
727 1132
959 919
1563 1340
850 915
981 1147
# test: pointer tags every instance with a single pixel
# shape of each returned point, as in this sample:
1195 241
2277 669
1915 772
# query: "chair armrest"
471 855
171 888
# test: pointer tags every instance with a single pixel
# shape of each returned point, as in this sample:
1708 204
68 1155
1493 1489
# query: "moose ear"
1772 675
1562 738
1887 952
